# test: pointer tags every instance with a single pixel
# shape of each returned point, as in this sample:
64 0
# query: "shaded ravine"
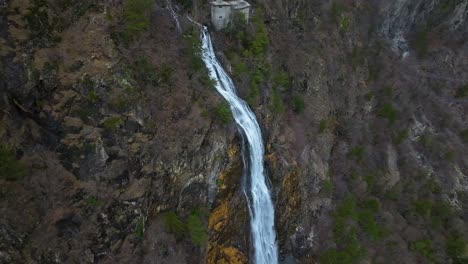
261 205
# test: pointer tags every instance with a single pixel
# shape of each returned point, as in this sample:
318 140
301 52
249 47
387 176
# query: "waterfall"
261 205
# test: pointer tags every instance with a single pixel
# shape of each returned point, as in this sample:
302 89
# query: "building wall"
220 16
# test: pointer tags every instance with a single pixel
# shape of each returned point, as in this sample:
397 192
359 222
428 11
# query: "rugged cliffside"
115 149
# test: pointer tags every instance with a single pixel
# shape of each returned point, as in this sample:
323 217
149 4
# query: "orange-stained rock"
225 255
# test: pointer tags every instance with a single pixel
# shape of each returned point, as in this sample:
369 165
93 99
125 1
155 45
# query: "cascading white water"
262 210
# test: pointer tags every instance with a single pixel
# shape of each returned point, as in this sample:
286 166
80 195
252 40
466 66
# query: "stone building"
222 12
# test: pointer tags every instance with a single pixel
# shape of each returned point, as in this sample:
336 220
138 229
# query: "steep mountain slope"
114 147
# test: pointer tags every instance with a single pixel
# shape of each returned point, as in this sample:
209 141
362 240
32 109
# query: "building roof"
220 3
238 4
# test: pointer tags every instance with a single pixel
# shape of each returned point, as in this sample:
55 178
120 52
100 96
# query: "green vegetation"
323 125
347 208
424 248
351 252
145 72
356 153
174 225
401 136
327 124
276 102
387 111
223 113
338 15
298 104
135 16
92 96
112 123
39 23
92 201
346 214
237 26
464 135
388 91
457 247
11 168
369 96
358 57
281 79
462 92
449 155
196 228
194 50
135 19
327 188
255 82
421 43
239 68
186 4
206 81
423 207
437 211
348 249
260 40
140 228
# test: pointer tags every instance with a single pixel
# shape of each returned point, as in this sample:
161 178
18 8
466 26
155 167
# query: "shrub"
339 17
401 136
194 50
281 79
174 225
440 213
424 248
350 252
240 68
323 125
135 16
462 92
206 81
277 102
165 73
420 43
387 111
196 229
456 248
223 113
112 123
39 23
358 57
356 153
449 155
464 136
145 72
327 187
298 104
260 40
186 4
91 201
140 228
347 208
423 207
93 96
366 220
11 168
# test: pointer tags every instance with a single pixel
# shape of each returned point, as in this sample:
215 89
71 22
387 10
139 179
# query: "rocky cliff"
114 147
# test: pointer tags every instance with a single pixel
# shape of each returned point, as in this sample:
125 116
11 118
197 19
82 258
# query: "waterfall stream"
261 205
